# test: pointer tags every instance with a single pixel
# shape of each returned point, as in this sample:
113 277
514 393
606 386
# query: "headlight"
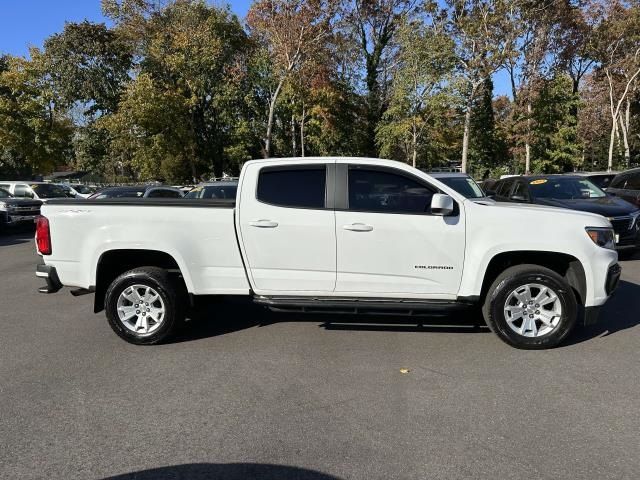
3 205
603 237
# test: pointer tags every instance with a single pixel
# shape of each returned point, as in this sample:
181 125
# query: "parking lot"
246 394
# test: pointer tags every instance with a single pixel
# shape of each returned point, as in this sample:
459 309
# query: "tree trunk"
272 108
302 119
612 138
294 146
625 141
467 127
527 146
414 147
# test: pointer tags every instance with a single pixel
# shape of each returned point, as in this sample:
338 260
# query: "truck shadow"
621 312
224 471
211 318
16 236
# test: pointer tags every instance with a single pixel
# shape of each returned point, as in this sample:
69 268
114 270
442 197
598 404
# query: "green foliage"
34 134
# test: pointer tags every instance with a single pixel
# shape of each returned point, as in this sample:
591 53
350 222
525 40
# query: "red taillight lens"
43 236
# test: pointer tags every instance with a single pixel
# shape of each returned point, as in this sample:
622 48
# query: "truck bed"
198 233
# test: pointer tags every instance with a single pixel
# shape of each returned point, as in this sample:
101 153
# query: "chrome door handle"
358 227
263 224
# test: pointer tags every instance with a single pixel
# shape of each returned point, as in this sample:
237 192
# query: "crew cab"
341 235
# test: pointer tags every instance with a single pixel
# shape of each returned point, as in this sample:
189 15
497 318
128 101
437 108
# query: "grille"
621 224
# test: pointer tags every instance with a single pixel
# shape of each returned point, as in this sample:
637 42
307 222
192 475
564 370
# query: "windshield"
564 188
4 193
214 191
83 189
463 185
47 190
120 193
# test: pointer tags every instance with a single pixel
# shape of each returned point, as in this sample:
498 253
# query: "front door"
389 243
287 227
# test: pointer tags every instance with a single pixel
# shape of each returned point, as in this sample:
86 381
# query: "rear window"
301 188
128 193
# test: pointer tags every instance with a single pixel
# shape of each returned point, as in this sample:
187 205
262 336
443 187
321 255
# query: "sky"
25 23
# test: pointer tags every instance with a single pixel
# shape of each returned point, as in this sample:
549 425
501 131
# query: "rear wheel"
530 307
144 306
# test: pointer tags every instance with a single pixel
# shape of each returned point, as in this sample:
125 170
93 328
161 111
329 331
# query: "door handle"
358 227
263 224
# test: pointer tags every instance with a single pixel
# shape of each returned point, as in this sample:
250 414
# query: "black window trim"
329 184
342 188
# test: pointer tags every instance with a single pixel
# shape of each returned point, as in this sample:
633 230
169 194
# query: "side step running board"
359 305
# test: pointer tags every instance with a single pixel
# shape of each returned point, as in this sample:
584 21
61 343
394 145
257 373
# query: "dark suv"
575 193
626 185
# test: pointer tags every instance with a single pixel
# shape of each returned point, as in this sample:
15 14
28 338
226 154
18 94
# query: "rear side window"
22 191
299 187
618 182
505 188
381 191
521 192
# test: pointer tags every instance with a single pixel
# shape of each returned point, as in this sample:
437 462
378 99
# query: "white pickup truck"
333 235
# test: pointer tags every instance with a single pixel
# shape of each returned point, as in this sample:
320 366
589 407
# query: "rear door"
287 226
388 242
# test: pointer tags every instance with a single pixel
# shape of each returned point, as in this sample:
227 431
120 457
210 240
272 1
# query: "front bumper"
48 272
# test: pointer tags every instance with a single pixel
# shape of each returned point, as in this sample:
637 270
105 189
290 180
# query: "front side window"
297 187
381 191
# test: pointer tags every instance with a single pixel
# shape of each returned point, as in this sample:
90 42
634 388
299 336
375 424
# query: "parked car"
139 191
599 179
17 211
220 189
37 190
626 185
333 235
576 193
461 183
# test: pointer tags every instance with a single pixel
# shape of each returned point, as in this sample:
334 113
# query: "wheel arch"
565 265
113 263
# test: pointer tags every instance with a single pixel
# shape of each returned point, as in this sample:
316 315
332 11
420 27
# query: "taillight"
43 236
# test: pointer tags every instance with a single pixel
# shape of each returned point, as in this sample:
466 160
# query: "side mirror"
441 204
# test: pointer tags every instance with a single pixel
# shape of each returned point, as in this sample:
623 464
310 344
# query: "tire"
543 324
165 306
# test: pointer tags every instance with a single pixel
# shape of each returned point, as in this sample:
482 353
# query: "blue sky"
25 23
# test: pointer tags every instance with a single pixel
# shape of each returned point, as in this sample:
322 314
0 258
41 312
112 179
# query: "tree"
418 92
88 63
534 23
618 50
484 39
292 31
35 135
485 144
373 25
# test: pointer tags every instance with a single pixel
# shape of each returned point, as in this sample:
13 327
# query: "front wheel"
530 307
143 306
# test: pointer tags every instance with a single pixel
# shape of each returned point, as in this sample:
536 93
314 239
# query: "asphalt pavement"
244 394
